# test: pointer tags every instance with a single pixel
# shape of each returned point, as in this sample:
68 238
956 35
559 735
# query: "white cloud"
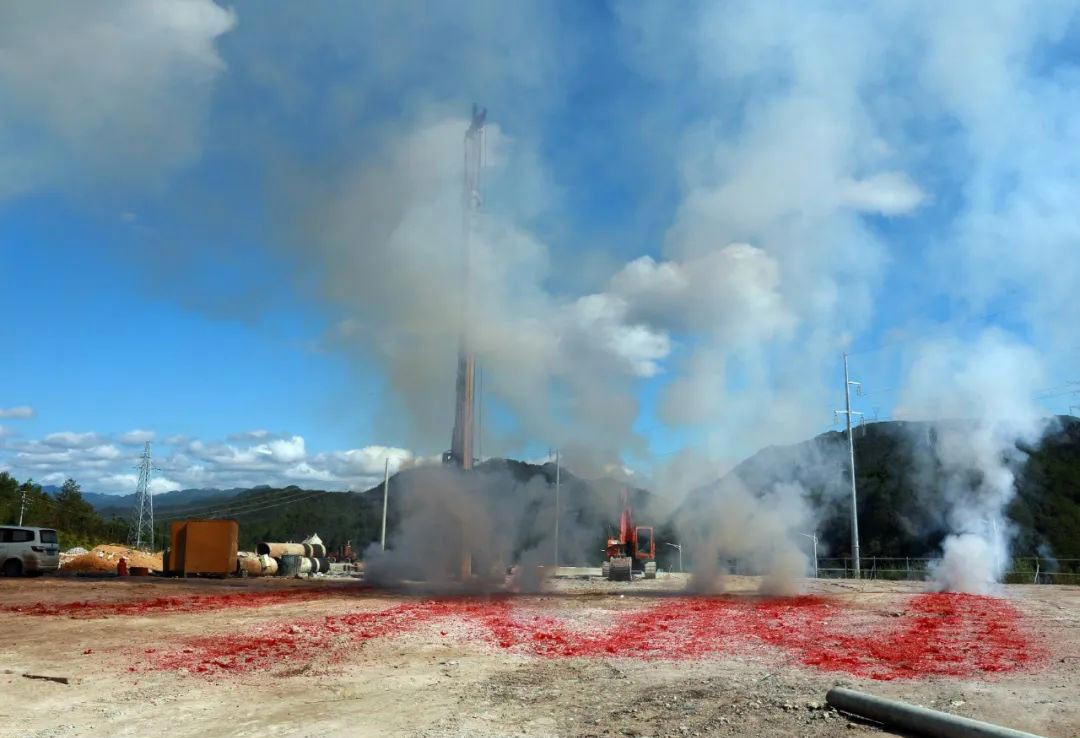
252 435
21 412
162 484
136 437
69 439
601 320
285 450
887 193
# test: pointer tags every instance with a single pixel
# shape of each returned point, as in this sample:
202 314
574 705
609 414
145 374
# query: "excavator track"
605 570
621 569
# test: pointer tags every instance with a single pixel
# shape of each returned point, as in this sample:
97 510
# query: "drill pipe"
914 719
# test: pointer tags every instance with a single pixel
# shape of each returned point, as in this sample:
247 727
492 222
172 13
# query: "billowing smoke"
985 390
450 529
730 529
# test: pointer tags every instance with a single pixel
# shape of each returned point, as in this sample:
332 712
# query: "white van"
28 550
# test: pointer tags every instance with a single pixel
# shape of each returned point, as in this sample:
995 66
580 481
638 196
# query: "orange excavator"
633 551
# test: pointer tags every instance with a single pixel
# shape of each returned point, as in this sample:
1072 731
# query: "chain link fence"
1022 570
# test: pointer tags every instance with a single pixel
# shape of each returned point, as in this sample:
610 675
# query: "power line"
249 508
193 510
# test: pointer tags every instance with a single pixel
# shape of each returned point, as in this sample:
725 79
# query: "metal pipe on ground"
269 565
314 550
257 566
307 565
914 719
277 550
249 565
324 565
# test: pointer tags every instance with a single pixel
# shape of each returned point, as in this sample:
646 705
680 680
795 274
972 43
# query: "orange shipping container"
203 547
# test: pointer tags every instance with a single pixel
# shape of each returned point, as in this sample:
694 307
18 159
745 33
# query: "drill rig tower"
461 443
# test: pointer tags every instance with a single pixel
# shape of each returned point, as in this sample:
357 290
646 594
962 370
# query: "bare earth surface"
588 658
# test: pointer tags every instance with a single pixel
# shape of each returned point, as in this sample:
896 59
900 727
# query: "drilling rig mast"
461 443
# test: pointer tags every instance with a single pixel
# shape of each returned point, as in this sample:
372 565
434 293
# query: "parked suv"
28 550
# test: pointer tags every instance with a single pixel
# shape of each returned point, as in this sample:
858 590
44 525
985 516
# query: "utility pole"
847 413
385 499
144 502
479 413
22 505
677 546
813 539
557 489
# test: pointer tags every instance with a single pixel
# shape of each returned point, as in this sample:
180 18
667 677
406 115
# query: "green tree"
73 514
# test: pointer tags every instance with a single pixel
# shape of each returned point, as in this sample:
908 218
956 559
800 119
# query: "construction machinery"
634 550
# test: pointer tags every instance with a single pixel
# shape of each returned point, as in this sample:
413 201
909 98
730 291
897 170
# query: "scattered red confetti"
939 634
178 603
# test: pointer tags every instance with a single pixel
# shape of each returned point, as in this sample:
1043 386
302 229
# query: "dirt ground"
266 657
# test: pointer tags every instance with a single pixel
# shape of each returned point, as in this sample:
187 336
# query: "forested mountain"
902 511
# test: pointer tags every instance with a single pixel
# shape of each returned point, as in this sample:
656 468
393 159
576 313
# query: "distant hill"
901 509
121 504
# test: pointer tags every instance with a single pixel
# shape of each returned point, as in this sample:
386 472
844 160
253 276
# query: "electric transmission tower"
143 529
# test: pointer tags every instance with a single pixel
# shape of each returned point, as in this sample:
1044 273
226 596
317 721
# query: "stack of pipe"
287 559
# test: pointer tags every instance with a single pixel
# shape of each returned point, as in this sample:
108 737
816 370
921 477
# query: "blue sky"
235 229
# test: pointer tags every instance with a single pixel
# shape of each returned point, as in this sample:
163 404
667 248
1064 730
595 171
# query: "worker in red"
121 567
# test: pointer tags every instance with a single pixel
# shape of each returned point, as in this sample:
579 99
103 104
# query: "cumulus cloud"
18 412
887 193
136 437
181 463
70 439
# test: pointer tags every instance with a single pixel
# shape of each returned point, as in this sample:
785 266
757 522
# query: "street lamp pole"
679 547
813 538
385 500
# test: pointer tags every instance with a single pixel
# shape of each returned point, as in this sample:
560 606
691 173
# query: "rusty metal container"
206 547
289 565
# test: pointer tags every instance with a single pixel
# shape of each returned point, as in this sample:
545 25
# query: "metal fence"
1022 570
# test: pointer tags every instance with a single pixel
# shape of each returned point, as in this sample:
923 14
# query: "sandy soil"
283 657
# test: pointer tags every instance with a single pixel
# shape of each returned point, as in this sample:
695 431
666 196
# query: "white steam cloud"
983 390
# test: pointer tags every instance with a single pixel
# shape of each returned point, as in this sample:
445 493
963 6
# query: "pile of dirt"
103 559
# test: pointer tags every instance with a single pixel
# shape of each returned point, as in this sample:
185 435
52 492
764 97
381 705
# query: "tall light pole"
813 538
22 505
385 499
557 490
847 413
679 547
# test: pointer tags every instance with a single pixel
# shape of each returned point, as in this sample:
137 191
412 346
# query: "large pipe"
918 720
257 566
269 565
277 550
249 565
